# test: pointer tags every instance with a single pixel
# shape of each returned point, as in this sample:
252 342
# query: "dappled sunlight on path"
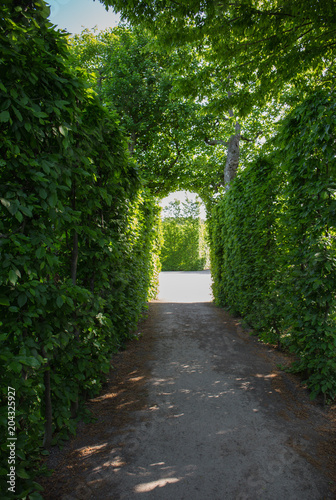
197 409
185 286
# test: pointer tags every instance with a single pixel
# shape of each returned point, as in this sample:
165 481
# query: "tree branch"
175 160
295 28
19 230
243 138
215 142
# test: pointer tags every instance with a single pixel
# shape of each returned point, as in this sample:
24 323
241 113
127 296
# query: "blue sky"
73 15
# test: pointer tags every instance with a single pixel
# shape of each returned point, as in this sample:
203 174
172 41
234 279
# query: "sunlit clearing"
182 286
143 488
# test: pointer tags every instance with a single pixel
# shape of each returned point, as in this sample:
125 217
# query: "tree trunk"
48 410
74 258
132 143
73 274
232 159
74 407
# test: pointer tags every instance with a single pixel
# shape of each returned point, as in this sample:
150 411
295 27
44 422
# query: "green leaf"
4 116
52 200
19 216
17 114
22 299
35 495
27 211
5 203
63 131
30 361
4 301
15 366
13 207
59 301
43 193
40 252
70 301
46 167
23 474
13 276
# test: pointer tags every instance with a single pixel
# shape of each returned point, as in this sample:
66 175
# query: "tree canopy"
243 62
262 45
166 131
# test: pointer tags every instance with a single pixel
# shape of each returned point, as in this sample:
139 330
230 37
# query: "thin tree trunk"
48 409
74 258
132 143
73 274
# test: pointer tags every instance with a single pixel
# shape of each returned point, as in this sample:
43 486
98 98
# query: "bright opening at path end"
183 196
185 286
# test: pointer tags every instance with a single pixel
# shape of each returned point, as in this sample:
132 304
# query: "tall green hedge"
77 238
273 242
184 237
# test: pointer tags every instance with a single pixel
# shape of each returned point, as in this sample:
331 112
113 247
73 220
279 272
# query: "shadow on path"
195 410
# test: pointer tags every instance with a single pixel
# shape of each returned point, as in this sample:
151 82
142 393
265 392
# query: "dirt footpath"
197 409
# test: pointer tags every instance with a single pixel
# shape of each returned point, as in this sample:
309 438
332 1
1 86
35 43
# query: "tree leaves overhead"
164 128
262 45
235 59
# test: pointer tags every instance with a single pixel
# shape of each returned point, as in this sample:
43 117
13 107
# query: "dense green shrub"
307 236
273 242
77 237
184 238
243 246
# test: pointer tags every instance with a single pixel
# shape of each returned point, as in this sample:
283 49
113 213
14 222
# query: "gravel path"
197 409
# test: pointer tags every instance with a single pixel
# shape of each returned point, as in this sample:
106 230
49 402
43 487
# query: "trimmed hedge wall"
78 242
273 242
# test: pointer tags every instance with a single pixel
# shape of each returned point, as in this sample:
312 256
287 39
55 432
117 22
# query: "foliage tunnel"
85 154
